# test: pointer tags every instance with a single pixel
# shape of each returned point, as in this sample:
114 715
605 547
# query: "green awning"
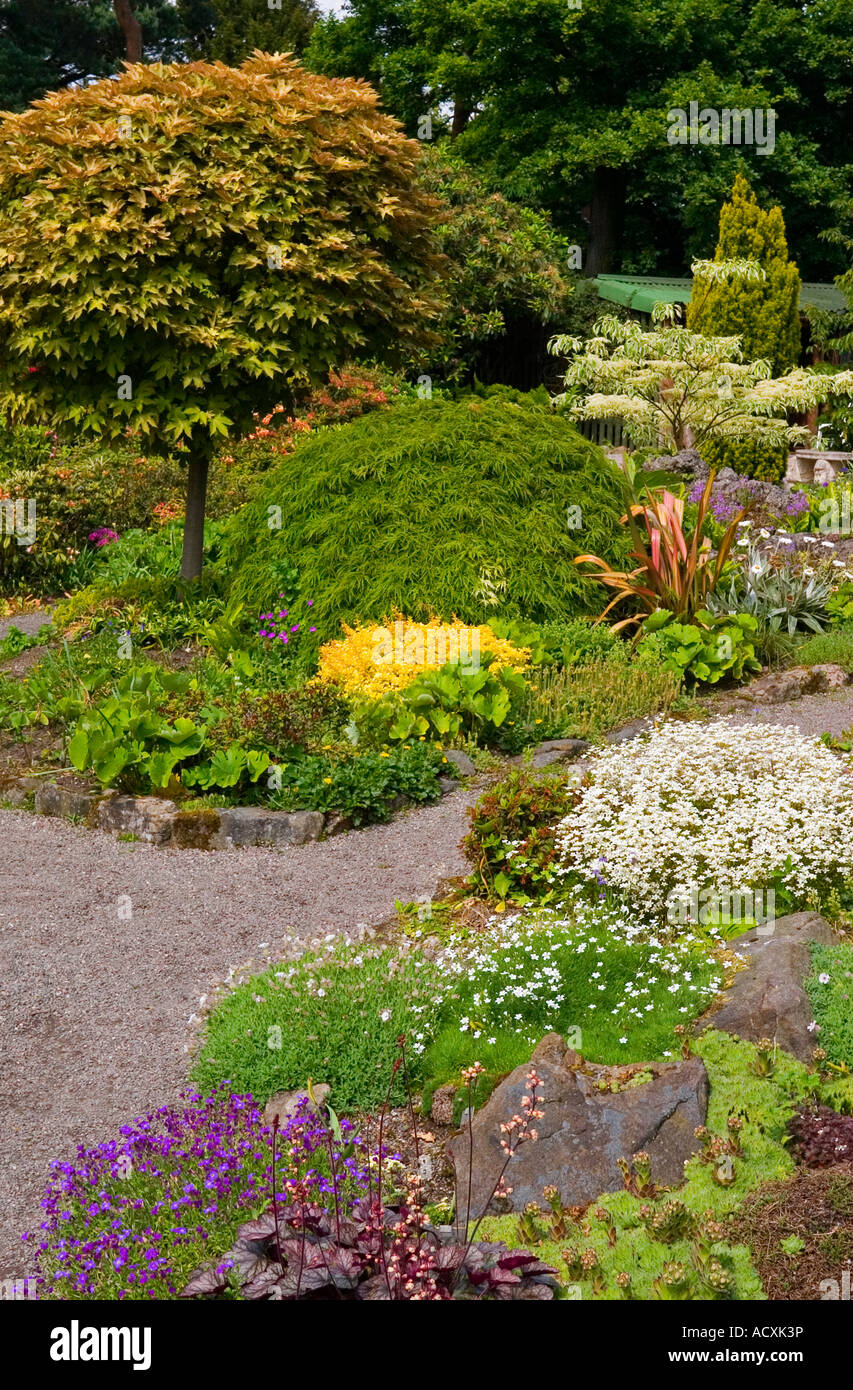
643 292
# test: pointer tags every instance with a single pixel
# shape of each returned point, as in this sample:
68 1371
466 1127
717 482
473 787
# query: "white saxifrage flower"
719 805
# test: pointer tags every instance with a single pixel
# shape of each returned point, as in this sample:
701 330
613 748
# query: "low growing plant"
708 649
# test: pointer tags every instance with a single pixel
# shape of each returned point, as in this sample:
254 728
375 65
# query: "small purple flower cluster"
281 627
740 493
104 535
130 1217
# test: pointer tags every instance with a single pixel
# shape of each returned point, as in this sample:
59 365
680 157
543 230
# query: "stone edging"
157 820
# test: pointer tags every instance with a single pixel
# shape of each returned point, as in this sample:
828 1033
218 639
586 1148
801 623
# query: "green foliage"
763 313
76 488
450 703
748 458
424 501
126 742
45 44
778 597
707 649
511 842
17 641
334 1016
834 647
588 701
229 31
831 1000
508 266
362 786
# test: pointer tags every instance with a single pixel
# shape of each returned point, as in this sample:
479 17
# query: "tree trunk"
197 469
131 28
605 220
461 117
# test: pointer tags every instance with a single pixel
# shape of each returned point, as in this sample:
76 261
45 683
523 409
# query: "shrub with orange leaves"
375 659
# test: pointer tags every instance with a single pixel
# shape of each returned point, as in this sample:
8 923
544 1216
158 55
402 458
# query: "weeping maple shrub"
186 243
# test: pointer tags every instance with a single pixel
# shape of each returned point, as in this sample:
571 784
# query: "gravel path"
812 714
94 1008
29 623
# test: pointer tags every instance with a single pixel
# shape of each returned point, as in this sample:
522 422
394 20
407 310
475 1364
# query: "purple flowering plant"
131 1217
283 625
103 535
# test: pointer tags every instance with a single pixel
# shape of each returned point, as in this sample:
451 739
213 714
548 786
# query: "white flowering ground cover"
614 994
715 806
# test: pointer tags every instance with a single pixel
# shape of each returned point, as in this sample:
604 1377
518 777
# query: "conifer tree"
763 313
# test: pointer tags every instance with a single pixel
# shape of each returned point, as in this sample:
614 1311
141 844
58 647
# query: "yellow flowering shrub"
373 660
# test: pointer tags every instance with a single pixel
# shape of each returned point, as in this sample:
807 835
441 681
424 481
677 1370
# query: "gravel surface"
813 714
94 1008
25 622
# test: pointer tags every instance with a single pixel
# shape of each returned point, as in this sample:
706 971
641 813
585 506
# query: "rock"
778 687
463 764
286 1103
16 792
52 799
447 784
767 1000
150 818
336 824
688 462
633 729
254 825
441 1109
559 750
585 1130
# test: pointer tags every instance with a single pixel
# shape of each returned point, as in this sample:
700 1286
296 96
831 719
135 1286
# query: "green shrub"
831 1000
511 843
835 647
441 508
363 785
76 489
706 650
748 457
450 703
334 1017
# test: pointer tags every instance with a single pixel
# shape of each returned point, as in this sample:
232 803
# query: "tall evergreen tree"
765 313
229 30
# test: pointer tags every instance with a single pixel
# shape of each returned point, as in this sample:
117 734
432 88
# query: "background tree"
229 30
542 108
764 313
181 246
46 44
509 280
